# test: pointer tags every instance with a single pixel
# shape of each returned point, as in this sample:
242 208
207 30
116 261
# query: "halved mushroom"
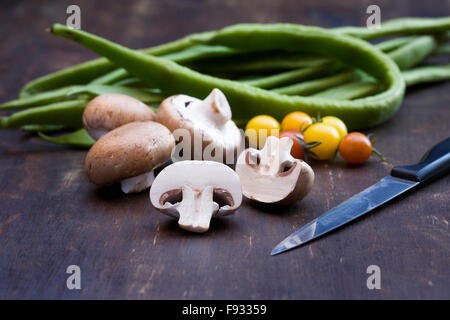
109 111
128 154
272 175
195 191
208 120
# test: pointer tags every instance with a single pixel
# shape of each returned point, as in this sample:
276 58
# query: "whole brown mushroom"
112 110
128 154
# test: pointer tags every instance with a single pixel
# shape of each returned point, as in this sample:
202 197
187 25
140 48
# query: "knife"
435 163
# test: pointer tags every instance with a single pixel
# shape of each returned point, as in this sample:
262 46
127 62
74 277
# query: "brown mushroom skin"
170 117
128 151
112 110
303 186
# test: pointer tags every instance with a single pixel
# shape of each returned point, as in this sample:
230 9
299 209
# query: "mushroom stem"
217 105
196 209
138 183
128 154
272 175
196 191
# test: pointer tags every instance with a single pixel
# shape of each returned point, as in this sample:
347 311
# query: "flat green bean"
349 91
231 67
427 74
82 92
312 86
262 63
111 77
87 71
401 26
284 60
196 52
393 44
199 52
408 52
132 82
279 60
144 95
288 77
79 74
42 127
67 113
79 138
247 101
39 99
412 53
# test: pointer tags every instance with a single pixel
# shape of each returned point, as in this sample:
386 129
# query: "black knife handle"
434 163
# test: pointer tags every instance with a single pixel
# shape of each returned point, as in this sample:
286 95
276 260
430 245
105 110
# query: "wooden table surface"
52 217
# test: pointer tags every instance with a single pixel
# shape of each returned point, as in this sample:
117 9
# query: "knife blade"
435 163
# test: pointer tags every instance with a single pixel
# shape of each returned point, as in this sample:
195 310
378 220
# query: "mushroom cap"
109 111
128 151
166 189
209 119
272 175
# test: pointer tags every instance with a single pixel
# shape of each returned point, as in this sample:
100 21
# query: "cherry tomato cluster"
320 138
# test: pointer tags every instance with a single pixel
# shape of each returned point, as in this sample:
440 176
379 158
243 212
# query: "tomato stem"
318 118
378 154
307 146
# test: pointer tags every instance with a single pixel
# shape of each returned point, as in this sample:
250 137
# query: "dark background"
52 217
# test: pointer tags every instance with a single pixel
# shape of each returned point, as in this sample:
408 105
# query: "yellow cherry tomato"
259 128
327 135
337 123
296 120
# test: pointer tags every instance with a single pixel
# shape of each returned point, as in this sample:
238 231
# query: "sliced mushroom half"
208 119
272 175
112 110
195 191
129 154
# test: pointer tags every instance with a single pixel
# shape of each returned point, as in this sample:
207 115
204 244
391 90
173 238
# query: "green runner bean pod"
349 91
187 55
312 86
67 113
42 127
393 44
248 101
287 77
87 71
79 138
415 51
426 74
401 26
39 99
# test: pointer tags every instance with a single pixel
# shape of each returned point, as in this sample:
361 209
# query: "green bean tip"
4 122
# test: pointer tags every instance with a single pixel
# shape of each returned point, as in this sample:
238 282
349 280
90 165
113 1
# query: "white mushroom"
109 111
208 119
195 191
272 175
129 154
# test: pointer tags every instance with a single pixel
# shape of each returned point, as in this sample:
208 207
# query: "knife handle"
434 163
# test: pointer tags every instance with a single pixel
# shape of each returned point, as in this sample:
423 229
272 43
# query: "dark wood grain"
52 217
